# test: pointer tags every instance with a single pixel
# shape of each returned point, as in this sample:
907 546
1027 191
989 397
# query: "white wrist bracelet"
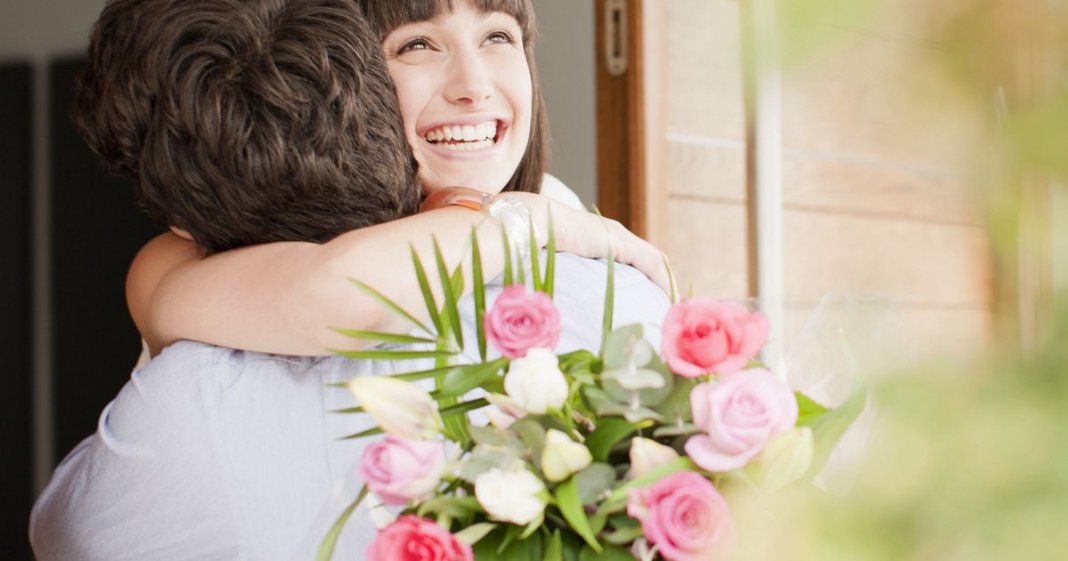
515 219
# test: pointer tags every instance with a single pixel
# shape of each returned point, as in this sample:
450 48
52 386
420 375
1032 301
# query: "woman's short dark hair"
248 121
387 15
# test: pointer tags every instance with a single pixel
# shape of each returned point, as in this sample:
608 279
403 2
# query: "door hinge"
615 37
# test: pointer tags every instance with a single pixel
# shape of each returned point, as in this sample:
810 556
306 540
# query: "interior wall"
35 29
565 55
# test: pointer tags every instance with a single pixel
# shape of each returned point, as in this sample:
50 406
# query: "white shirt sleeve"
555 189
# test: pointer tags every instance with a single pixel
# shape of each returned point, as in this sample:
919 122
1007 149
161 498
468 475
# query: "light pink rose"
738 413
412 538
521 320
684 516
400 470
701 335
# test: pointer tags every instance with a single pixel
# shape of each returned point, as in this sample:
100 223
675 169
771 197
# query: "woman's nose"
470 82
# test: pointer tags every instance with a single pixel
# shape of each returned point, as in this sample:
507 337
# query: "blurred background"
906 158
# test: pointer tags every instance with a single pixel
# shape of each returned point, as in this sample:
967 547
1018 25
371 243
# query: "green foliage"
570 504
479 294
609 432
326 547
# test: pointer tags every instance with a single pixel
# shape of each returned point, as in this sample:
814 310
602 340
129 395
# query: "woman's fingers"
640 254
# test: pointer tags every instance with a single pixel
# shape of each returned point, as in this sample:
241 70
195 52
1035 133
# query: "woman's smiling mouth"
464 137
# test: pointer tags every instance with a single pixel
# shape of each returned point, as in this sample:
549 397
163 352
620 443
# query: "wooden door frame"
621 157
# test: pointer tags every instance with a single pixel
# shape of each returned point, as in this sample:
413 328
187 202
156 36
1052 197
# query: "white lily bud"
535 381
400 408
515 496
562 456
646 454
785 459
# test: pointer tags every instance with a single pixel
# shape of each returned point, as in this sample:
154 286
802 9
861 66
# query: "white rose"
535 381
515 496
646 454
562 456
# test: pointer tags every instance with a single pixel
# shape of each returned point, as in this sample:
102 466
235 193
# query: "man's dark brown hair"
248 121
387 15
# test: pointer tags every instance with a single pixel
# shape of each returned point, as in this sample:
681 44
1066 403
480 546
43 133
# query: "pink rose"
400 470
412 538
739 413
684 516
521 320
702 335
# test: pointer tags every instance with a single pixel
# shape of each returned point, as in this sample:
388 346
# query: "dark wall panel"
16 181
96 231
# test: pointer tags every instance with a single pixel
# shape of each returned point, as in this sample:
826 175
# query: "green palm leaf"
479 287
428 296
550 259
388 303
380 336
450 312
508 279
326 547
393 354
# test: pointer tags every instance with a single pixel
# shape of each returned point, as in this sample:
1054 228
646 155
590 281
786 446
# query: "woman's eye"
417 44
500 38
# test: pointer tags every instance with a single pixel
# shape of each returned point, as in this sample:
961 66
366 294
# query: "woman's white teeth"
464 137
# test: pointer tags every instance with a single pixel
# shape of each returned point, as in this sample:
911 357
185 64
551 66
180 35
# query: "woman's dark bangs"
387 15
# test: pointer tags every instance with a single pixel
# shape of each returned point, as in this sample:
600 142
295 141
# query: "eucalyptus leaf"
628 351
619 347
594 481
532 433
486 457
490 436
676 407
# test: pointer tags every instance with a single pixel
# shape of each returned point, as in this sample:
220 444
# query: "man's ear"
182 233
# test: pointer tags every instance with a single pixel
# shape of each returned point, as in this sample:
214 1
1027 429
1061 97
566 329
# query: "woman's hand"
586 234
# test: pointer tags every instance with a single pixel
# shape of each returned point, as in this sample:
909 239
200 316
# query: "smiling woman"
465 95
451 47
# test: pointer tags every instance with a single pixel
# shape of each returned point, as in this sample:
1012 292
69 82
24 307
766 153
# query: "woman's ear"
182 233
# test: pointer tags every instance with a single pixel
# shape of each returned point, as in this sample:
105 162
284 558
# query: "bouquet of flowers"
623 452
